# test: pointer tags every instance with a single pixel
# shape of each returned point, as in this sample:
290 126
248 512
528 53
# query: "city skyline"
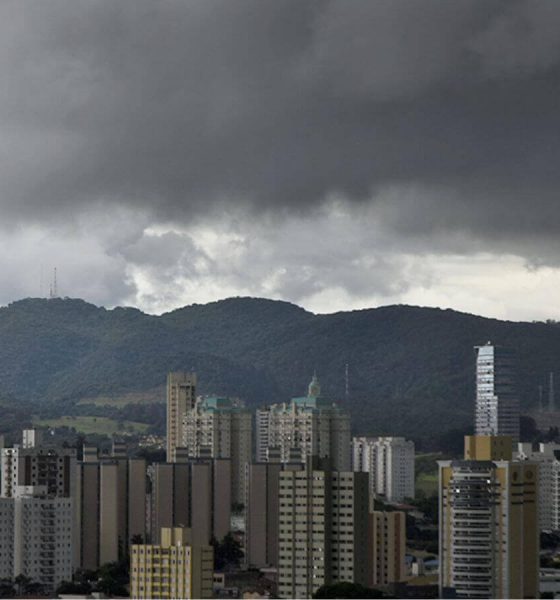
388 152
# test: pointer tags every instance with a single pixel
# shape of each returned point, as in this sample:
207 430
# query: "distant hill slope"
411 369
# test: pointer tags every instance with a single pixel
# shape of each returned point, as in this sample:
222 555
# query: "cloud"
194 150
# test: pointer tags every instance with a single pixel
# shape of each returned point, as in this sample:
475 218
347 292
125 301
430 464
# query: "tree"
22 581
528 431
227 553
7 589
74 587
113 579
345 589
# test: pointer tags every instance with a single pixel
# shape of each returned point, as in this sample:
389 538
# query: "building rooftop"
211 403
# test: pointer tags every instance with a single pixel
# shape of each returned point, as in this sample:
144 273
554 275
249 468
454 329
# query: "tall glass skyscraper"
497 402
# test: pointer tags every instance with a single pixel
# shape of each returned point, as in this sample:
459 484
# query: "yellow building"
488 523
172 569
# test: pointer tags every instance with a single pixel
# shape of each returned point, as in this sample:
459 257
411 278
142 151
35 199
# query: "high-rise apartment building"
33 464
174 568
181 397
221 428
386 547
390 464
110 506
37 532
193 494
307 426
497 402
323 530
547 458
488 523
262 513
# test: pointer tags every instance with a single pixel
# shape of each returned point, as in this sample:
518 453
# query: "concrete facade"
390 464
221 428
262 513
38 465
307 426
110 506
387 545
194 494
488 523
181 397
174 568
37 536
323 523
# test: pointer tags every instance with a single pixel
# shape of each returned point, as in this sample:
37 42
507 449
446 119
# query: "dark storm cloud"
179 108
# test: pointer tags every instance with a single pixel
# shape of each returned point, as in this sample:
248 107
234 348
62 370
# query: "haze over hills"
406 363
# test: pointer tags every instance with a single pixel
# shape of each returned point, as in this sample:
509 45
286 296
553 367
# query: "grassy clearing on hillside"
120 401
427 473
428 483
88 425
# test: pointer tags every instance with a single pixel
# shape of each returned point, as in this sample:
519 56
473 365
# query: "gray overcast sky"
335 154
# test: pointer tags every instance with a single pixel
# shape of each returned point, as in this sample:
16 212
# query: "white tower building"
390 464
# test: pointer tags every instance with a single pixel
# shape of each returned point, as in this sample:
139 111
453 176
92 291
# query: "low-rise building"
171 569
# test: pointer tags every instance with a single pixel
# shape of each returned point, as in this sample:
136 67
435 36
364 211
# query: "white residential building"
390 464
306 426
547 457
37 536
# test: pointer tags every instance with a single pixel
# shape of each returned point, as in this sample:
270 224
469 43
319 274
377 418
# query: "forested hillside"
411 370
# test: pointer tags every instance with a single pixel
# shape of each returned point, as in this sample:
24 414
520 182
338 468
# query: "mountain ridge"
406 363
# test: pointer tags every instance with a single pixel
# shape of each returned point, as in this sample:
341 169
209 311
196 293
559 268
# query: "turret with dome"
314 388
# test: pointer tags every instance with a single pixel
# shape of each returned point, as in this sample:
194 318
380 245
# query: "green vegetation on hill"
411 369
91 424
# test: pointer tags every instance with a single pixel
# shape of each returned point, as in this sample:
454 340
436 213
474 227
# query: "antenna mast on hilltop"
54 286
551 392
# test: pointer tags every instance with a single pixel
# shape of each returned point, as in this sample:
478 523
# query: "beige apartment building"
171 569
181 397
323 530
262 513
387 547
194 494
221 428
488 523
110 506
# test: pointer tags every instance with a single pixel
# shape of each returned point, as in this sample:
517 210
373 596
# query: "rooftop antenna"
346 383
551 391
